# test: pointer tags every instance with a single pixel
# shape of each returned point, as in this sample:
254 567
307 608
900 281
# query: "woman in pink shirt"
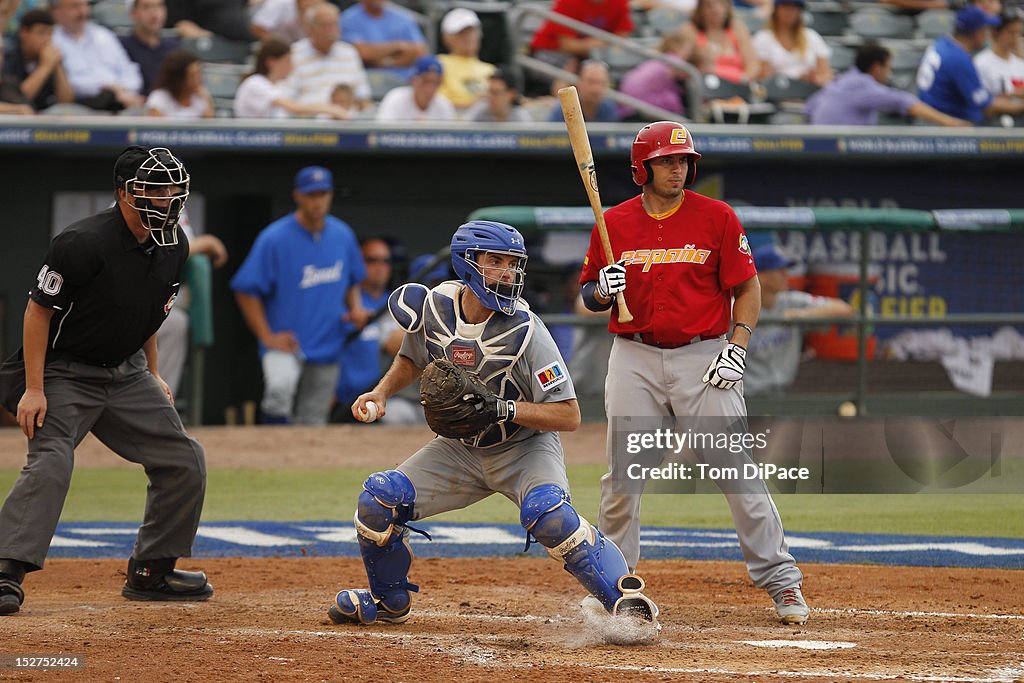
722 41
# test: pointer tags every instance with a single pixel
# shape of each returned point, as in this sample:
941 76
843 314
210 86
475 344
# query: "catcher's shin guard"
384 506
594 560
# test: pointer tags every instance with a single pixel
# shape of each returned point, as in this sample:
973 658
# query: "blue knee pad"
385 505
594 560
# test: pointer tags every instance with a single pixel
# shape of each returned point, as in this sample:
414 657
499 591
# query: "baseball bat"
580 142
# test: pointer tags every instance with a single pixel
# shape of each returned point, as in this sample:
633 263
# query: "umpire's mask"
159 188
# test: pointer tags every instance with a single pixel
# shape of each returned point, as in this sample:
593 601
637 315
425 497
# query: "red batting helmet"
658 140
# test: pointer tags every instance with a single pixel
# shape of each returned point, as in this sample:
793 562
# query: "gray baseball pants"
648 381
126 410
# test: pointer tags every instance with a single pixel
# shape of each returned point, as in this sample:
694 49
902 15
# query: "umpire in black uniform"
90 364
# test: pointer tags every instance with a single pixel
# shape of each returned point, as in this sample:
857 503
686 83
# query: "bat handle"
624 315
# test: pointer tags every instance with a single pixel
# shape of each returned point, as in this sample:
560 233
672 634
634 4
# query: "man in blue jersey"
297 288
947 78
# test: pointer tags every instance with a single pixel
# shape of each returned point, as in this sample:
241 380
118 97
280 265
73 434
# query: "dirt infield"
518 619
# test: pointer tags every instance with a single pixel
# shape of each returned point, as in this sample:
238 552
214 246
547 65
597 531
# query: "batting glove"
727 367
611 280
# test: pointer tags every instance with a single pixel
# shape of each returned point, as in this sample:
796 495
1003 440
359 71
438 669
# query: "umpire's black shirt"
109 293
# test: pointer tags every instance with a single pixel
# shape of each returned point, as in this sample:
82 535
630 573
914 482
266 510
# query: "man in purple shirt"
857 96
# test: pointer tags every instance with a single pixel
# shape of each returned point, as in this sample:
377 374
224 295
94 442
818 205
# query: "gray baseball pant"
648 381
127 410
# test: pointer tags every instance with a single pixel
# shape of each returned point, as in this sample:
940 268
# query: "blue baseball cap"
427 64
314 179
972 19
770 257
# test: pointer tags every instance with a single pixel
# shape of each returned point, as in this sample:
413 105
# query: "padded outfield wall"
416 185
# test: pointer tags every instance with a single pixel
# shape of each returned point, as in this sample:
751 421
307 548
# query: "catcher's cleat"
359 607
11 593
158 580
633 603
791 606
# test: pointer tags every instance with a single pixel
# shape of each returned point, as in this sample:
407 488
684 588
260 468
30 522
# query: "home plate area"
486 611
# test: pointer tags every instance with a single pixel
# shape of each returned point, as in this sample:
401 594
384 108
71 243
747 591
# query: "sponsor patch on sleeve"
744 245
551 376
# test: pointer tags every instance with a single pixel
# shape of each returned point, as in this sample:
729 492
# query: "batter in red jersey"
685 269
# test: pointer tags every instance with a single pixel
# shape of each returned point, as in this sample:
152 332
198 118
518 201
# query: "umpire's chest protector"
491 349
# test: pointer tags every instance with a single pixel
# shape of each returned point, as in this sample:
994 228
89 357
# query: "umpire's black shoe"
11 593
159 580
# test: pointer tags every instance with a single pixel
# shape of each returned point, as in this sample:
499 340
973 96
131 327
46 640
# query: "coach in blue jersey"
296 288
947 78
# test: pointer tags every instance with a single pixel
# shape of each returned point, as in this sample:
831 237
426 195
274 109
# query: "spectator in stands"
11 12
146 44
101 73
773 353
948 80
281 18
12 100
197 18
33 63
367 354
857 96
172 339
386 37
1000 68
563 47
296 288
788 48
501 103
656 82
265 94
420 100
592 85
465 75
322 60
179 91
724 39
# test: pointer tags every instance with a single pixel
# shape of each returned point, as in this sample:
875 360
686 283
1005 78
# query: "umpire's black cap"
127 165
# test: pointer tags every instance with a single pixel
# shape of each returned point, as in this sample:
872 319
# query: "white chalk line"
486 656
898 613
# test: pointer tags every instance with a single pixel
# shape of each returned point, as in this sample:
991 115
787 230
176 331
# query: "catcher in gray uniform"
497 392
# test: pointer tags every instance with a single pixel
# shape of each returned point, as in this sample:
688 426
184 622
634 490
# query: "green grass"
307 494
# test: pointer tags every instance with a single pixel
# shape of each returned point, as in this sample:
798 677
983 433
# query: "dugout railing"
862 222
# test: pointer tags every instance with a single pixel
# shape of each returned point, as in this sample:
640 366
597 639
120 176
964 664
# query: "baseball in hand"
369 412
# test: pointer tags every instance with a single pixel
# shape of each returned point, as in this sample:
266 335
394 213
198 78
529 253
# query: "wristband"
506 411
745 326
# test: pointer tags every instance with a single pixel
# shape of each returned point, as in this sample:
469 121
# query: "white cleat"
791 606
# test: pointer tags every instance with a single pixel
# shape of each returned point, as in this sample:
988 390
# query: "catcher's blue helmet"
477 237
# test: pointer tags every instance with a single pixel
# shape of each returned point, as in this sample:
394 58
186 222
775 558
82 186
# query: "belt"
648 339
64 355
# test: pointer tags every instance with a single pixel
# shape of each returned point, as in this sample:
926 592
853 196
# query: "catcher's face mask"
159 191
502 276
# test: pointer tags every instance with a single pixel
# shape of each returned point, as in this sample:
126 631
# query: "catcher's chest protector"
491 349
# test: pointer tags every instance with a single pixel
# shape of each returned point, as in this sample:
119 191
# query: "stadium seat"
874 23
113 14
751 19
933 23
619 60
906 57
828 23
222 79
782 89
723 102
217 49
382 81
842 57
665 20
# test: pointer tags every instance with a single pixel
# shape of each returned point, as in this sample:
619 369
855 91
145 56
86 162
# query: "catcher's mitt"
457 403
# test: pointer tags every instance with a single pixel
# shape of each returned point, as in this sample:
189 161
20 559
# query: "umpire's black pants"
126 410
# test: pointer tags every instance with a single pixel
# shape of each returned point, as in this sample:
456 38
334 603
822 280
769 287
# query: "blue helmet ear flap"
478 237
